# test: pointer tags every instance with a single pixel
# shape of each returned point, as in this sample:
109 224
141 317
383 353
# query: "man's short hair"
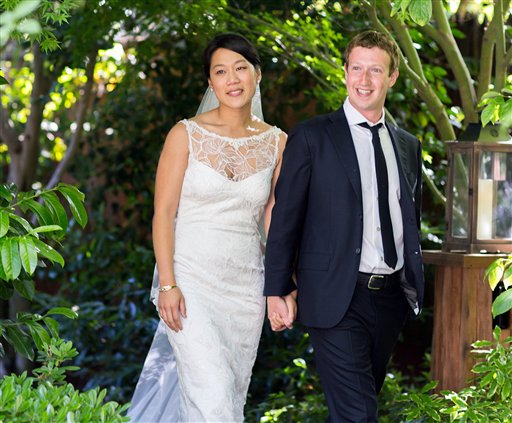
370 39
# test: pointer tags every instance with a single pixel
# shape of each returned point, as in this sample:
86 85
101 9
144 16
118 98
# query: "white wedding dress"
219 268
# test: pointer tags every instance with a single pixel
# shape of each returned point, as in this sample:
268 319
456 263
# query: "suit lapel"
401 160
341 138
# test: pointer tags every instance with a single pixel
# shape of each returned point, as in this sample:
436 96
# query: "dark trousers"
352 356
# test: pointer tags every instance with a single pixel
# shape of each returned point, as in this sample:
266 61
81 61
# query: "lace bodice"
234 158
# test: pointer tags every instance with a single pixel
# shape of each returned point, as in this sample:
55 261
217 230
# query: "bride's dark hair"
234 42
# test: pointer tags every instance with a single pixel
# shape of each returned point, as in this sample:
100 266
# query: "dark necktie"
386 227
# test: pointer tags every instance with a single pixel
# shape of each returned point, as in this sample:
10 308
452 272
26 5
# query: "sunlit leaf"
4 223
420 11
28 254
494 273
48 252
502 303
75 199
70 314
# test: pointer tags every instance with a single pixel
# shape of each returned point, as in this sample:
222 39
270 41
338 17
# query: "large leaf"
63 311
11 260
502 303
4 223
39 334
494 273
48 252
46 228
56 208
21 221
6 192
44 216
28 254
75 199
25 287
52 325
21 342
420 11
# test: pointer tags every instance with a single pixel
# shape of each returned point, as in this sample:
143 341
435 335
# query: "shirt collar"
355 118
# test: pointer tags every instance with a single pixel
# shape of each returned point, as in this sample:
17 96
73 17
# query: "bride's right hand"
170 305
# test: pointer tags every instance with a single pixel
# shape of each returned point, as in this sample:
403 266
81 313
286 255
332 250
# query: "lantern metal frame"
470 242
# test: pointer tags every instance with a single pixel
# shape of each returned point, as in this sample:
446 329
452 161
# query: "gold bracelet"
165 288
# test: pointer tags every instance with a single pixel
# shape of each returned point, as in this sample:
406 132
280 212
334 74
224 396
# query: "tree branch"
7 132
80 118
445 39
501 49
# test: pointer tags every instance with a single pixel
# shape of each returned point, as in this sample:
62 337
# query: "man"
346 222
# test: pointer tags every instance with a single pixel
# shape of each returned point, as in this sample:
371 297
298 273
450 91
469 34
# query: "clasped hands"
282 311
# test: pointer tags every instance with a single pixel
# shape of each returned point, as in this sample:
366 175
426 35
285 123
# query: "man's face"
368 79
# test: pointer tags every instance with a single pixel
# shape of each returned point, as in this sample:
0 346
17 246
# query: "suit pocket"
314 261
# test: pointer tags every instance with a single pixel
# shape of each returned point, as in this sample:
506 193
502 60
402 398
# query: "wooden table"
462 313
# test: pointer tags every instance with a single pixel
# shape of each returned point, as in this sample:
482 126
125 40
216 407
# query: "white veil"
156 396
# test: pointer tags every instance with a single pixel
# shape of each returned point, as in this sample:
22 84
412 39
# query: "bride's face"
233 78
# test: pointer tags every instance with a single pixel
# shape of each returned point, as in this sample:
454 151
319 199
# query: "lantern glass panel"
460 206
494 216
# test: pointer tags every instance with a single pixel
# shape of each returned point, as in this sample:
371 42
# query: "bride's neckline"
215 134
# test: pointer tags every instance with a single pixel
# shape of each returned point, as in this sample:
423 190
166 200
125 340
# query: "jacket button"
358 250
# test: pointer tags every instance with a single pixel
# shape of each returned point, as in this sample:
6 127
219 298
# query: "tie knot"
374 128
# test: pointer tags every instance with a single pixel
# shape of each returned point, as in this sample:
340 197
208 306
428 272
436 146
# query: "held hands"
171 304
282 311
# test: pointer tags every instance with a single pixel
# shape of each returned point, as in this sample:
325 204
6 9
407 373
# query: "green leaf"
63 311
29 26
11 258
46 228
3 81
6 192
23 222
502 303
48 252
25 287
494 273
24 9
420 11
52 325
44 216
21 342
56 208
4 223
28 254
490 113
75 199
39 334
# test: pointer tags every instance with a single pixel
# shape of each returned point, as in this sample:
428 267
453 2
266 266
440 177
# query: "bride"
214 182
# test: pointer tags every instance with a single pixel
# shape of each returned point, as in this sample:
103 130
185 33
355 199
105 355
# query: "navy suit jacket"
317 221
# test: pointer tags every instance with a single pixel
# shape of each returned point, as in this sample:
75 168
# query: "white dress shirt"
372 251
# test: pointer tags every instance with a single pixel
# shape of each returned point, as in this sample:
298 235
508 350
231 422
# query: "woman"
214 181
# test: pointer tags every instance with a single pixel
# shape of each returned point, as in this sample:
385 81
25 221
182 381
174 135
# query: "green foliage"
487 399
23 248
48 398
14 19
498 271
497 107
23 18
418 11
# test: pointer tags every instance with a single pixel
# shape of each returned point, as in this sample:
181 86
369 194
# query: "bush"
48 398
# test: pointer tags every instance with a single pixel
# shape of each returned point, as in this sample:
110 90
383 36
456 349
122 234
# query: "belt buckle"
370 285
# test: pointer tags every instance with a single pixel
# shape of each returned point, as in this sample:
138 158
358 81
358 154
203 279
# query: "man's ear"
394 77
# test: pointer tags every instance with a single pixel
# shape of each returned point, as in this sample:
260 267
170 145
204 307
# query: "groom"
346 222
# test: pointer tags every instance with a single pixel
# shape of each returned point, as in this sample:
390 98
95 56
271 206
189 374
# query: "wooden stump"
462 314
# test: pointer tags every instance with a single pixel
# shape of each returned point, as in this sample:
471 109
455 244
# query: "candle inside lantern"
485 209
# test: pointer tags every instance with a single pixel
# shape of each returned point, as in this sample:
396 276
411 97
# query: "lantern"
479 191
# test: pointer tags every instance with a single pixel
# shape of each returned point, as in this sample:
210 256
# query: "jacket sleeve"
417 194
291 198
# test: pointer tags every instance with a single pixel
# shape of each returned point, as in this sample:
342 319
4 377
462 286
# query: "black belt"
378 282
